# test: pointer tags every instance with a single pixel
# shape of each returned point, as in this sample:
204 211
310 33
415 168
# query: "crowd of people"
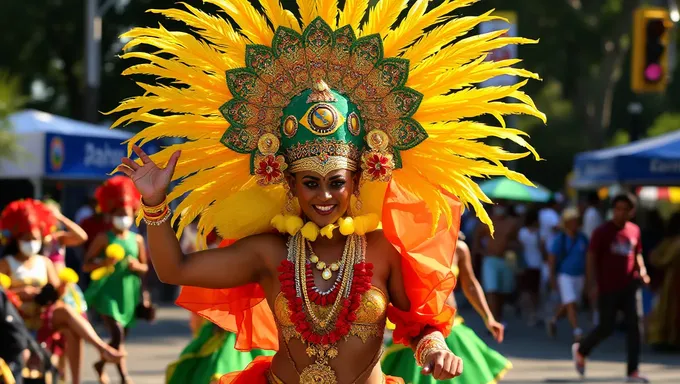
52 309
556 260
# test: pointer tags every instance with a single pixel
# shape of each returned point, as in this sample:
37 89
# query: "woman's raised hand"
151 181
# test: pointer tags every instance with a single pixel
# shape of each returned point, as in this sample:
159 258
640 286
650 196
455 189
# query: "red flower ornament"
269 169
377 166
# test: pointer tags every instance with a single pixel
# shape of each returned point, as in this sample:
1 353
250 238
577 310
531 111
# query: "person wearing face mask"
25 224
116 296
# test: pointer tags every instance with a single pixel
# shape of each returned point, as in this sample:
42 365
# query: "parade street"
536 358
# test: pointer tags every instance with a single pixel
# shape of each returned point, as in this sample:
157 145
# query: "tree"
11 101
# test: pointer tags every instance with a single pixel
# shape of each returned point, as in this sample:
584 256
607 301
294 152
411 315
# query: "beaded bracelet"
433 342
158 220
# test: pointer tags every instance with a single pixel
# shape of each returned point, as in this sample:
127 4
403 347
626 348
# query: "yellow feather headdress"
444 66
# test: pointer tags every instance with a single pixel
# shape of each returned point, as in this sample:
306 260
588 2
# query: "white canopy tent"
60 148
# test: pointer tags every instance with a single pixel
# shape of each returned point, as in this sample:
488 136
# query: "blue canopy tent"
59 152
654 161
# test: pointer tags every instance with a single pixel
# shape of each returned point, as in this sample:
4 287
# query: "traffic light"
651 30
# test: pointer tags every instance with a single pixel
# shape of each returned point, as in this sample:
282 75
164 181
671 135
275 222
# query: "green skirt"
481 364
209 355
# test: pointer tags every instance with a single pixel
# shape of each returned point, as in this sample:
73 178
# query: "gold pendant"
327 274
318 373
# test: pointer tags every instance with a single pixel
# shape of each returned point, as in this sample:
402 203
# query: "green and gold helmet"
321 101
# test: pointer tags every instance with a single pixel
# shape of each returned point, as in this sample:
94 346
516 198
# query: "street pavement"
535 357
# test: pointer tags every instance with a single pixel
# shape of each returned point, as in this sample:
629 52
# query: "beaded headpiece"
325 92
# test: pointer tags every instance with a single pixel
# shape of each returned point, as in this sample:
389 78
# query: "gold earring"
357 203
289 201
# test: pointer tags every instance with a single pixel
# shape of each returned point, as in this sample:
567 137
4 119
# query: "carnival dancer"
26 224
319 130
484 365
116 294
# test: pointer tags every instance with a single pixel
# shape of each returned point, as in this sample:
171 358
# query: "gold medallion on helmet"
268 144
377 140
290 126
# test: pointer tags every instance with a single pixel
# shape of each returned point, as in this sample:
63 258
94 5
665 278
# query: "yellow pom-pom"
101 273
293 224
5 281
115 251
279 223
68 275
327 231
346 226
310 231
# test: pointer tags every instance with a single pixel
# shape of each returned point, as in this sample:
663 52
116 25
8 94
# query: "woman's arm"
246 261
96 248
471 287
52 275
474 292
140 266
74 234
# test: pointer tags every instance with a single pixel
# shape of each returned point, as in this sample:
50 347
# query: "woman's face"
323 200
29 243
122 218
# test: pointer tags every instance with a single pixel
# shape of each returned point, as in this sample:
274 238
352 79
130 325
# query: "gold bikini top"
370 321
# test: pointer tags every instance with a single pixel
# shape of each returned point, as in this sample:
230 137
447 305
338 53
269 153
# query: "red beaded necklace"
300 314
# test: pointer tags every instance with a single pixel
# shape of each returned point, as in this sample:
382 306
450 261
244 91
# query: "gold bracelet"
431 343
156 208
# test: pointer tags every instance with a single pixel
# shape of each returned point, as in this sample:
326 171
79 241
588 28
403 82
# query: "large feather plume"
447 65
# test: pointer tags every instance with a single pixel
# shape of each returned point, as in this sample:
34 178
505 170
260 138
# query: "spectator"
532 252
86 210
614 270
548 221
567 260
497 276
591 216
665 319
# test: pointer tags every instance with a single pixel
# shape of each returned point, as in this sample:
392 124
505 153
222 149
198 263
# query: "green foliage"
11 101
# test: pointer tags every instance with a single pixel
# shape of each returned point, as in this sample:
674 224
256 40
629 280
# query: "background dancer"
483 365
116 295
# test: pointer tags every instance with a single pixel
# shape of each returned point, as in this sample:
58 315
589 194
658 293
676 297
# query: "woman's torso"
30 272
359 352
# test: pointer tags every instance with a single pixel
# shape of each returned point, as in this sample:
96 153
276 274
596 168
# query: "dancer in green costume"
208 356
117 260
483 365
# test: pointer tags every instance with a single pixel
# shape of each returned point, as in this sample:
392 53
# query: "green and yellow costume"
208 356
117 294
482 365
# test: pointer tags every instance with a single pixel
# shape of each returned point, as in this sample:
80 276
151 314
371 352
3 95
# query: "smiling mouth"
324 209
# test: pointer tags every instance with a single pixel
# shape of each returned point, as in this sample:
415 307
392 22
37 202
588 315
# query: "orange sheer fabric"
426 265
427 262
